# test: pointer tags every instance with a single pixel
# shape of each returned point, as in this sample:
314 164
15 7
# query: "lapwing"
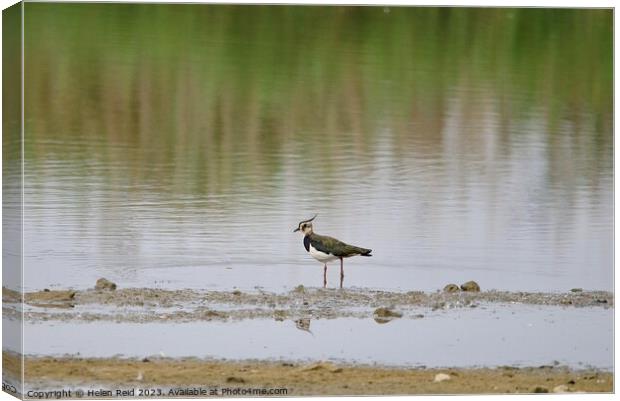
326 249
303 324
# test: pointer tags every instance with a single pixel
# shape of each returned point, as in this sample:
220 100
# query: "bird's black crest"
307 221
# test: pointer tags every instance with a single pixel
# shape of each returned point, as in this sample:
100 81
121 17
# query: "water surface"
524 336
178 146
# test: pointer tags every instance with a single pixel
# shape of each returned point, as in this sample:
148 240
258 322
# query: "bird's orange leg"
325 276
341 272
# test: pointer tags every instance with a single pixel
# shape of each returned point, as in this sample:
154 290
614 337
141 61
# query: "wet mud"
148 305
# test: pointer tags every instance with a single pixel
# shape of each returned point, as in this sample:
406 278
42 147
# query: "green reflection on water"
220 91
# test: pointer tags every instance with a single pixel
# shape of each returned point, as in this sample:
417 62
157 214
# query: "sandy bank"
299 378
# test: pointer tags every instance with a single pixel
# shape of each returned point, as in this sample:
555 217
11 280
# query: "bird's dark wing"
335 247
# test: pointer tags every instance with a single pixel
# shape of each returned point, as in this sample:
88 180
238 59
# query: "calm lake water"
532 336
179 146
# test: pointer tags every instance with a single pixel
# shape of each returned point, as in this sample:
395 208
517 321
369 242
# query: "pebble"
49 296
387 313
451 288
440 377
470 286
105 284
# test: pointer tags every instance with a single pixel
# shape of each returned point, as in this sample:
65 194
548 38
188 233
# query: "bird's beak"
295 230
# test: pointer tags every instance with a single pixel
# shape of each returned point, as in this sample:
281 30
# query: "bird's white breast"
321 256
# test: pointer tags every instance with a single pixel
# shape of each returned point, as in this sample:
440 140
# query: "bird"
303 324
326 249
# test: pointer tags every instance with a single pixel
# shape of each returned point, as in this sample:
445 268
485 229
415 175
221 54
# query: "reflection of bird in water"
304 325
326 249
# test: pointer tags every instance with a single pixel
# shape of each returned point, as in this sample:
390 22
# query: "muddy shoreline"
305 377
149 305
299 378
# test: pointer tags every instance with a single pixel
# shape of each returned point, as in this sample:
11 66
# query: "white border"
479 3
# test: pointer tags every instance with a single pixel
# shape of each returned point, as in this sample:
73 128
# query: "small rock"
233 379
385 312
146 360
385 315
303 324
470 286
571 381
104 284
601 301
562 388
451 288
45 297
439 377
540 389
576 290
